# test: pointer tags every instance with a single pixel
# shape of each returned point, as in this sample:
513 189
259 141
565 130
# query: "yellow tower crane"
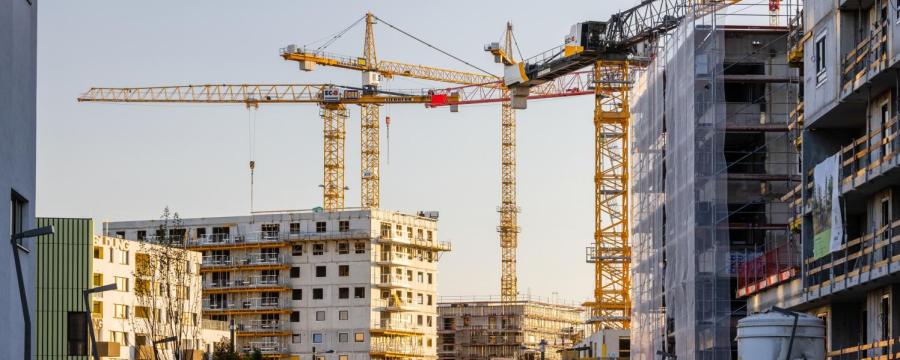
330 98
373 71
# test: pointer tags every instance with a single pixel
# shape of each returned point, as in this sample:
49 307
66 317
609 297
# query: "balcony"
251 305
417 242
396 304
392 258
392 280
254 239
396 350
248 284
329 235
863 259
252 261
770 268
263 328
866 60
266 347
396 328
870 158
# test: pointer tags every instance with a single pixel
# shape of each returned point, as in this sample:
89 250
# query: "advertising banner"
827 222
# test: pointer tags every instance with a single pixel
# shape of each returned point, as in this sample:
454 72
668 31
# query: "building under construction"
488 328
711 160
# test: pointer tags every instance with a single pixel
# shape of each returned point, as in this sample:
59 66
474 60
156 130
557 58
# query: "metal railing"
262 326
265 347
866 54
767 269
870 150
245 304
248 282
405 349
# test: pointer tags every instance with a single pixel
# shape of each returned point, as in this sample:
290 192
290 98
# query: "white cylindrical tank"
766 336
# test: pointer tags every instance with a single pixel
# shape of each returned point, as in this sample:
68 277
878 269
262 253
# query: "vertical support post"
611 253
370 162
509 229
334 117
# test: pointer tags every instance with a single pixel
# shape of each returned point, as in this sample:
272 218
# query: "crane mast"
369 143
509 226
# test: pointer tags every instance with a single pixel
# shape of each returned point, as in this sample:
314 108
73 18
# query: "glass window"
343 270
344 226
343 248
820 58
295 272
320 227
120 311
343 337
343 293
296 338
320 316
295 316
318 249
317 338
297 294
359 247
359 337
297 250
359 293
76 334
321 271
295 228
318 294
343 315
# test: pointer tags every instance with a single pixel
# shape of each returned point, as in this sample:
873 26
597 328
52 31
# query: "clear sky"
127 162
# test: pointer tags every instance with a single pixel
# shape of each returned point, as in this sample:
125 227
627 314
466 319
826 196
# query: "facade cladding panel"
18 39
64 270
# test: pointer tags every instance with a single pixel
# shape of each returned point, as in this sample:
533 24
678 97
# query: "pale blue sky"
122 162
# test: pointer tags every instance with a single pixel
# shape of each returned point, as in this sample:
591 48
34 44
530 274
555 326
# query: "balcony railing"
398 349
245 304
263 326
417 242
253 259
769 268
869 151
399 326
867 252
392 280
868 54
261 281
265 347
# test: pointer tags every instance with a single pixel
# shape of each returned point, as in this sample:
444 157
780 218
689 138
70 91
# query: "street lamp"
86 294
163 341
14 240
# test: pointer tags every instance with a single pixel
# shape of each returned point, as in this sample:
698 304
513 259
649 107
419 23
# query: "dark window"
295 316
321 271
270 231
360 247
141 234
359 293
17 207
295 272
297 250
318 249
297 294
201 233
295 228
344 226
318 294
820 58
120 234
76 334
343 270
343 293
320 227
343 248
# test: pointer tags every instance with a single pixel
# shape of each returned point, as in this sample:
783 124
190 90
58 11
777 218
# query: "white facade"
122 315
18 39
360 283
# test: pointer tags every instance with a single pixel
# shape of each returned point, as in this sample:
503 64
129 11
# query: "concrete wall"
821 96
18 39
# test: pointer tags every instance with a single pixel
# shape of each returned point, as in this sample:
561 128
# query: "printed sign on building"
827 222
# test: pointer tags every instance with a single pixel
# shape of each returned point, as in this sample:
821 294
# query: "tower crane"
610 47
332 99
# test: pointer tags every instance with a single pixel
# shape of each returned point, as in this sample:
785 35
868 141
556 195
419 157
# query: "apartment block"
349 284
486 328
712 158
847 209
157 296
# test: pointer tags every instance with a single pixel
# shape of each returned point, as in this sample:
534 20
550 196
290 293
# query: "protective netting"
680 256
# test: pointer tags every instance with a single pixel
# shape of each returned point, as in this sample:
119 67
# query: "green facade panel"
63 271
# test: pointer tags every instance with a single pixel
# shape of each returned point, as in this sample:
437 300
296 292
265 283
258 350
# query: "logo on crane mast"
331 95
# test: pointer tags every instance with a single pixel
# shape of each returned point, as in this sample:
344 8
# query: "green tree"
224 351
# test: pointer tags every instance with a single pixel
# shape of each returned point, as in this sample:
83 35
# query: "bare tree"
167 290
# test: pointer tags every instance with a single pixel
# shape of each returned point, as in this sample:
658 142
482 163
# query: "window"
430 235
820 58
270 231
386 230
318 249
122 284
343 357
98 279
294 228
429 299
320 315
343 270
297 250
320 227
317 338
97 308
343 248
321 271
430 278
76 334
344 226
201 233
17 207
429 321
420 299
98 252
409 275
295 272
359 337
141 235
120 234
318 294
343 315
296 338
297 294
359 247
343 293
123 259
120 311
142 312
421 277
420 320
343 337
359 293
295 316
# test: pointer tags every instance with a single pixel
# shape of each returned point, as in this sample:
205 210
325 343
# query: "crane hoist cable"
251 143
436 48
336 36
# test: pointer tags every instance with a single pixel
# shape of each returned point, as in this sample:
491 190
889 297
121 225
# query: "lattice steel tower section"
370 163
611 254
334 117
509 211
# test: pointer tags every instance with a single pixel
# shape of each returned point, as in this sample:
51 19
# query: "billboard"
827 222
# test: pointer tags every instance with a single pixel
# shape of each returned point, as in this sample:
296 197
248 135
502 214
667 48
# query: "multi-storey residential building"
18 78
350 284
487 328
148 305
847 210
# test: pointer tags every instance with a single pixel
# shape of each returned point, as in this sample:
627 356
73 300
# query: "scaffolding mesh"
680 192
